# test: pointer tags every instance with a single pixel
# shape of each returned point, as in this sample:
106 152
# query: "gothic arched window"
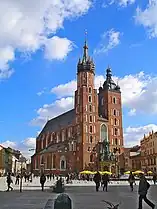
116 131
89 99
63 136
42 160
104 133
114 100
116 141
90 118
54 161
91 158
91 139
90 129
90 108
62 162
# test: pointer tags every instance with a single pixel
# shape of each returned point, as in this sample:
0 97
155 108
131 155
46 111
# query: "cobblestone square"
82 197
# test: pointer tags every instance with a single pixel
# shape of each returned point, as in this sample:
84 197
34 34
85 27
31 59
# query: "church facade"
70 142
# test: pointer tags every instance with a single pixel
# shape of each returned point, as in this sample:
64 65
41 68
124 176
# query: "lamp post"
21 160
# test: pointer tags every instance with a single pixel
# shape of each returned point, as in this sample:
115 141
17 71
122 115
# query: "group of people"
103 180
142 190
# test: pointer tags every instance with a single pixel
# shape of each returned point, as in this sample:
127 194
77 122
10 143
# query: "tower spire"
86 63
85 51
108 73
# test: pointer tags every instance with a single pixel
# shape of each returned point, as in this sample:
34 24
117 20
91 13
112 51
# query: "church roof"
59 122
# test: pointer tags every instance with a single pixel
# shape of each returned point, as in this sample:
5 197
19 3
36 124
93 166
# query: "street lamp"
21 160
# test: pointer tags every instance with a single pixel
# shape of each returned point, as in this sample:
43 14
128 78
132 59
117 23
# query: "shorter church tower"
110 107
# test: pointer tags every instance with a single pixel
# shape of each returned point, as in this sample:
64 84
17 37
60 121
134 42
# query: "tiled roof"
59 122
135 148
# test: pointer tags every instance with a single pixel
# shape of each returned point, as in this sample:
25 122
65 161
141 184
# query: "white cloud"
125 3
26 26
23 146
52 110
64 90
133 135
113 38
30 142
148 18
57 48
132 112
122 3
40 93
133 87
9 144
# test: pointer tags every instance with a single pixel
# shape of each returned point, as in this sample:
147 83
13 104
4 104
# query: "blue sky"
38 62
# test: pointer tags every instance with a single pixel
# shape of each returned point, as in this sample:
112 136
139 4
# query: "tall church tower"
86 107
110 107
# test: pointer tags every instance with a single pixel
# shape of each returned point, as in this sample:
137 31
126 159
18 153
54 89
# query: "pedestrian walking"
17 179
42 181
105 180
154 178
131 181
9 181
97 180
142 191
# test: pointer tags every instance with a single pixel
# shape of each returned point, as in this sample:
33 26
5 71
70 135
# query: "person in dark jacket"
97 180
42 181
17 179
154 178
131 181
9 181
142 191
105 180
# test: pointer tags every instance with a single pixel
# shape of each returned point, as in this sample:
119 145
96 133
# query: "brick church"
70 142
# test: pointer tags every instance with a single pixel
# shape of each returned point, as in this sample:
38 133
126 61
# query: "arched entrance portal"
62 163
